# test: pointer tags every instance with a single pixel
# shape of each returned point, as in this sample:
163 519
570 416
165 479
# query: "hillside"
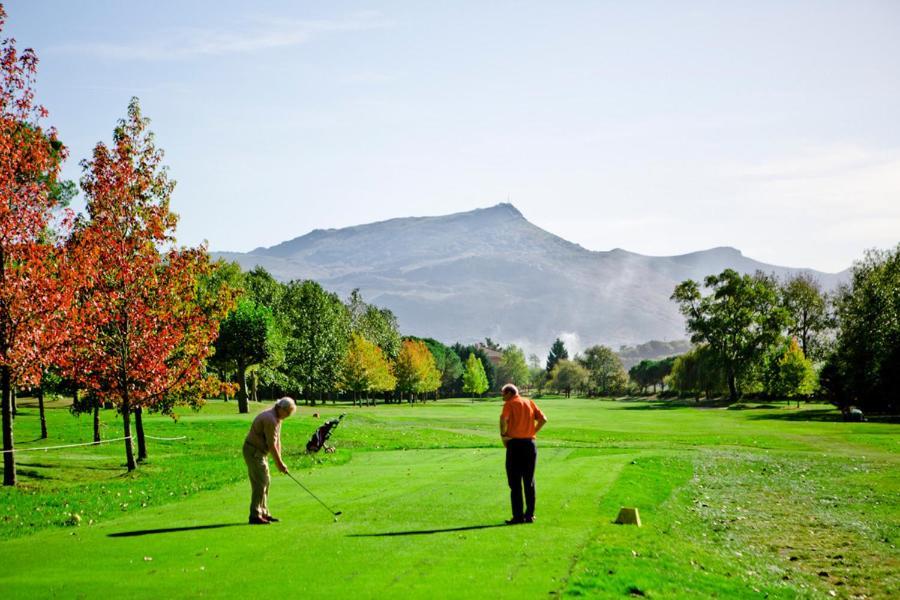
490 272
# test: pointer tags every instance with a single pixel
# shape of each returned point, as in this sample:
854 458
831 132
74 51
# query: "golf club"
333 513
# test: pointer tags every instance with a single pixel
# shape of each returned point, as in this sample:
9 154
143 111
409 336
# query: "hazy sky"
658 127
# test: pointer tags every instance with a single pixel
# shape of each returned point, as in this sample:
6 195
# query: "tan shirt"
265 431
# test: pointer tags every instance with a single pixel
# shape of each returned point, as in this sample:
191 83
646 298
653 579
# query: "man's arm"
274 439
276 452
504 427
540 421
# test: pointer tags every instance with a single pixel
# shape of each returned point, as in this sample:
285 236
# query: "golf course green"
739 502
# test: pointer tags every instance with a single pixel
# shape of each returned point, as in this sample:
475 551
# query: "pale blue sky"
659 127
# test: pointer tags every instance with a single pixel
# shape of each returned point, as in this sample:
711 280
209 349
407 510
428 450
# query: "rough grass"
735 503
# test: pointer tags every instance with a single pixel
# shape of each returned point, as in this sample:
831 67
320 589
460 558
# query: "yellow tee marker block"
629 516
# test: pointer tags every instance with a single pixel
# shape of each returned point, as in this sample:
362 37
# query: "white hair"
286 404
510 388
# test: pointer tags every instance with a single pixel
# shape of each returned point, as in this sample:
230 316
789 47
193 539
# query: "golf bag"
321 435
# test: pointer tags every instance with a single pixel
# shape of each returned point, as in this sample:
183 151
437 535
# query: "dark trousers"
521 457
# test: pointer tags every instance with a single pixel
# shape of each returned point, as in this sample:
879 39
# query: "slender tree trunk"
254 383
9 461
242 392
41 412
129 449
139 428
96 422
12 401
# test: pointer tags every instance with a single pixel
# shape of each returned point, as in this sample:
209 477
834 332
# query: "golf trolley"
321 435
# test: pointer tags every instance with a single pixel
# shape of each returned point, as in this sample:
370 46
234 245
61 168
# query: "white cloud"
258 35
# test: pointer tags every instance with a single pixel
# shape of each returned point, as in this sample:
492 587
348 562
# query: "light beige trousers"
258 470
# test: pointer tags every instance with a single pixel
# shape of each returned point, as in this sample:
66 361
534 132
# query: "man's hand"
505 439
283 468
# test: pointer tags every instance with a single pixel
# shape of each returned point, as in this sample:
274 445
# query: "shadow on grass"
170 530
427 531
823 415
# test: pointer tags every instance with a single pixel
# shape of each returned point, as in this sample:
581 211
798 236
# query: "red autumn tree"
30 292
144 323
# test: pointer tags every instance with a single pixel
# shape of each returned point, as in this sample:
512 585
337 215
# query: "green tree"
246 338
263 289
651 372
568 375
606 375
318 332
806 305
490 372
448 364
512 367
557 353
740 320
697 372
474 379
378 325
863 369
789 374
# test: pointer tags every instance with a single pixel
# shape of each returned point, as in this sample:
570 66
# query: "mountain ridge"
491 272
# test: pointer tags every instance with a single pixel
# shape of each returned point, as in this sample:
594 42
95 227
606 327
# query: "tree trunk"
254 384
129 449
732 386
242 392
139 428
96 422
41 412
9 461
12 400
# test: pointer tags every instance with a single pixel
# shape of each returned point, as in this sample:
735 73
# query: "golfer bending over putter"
265 437
520 421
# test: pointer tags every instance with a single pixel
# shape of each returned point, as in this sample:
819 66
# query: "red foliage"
33 297
143 323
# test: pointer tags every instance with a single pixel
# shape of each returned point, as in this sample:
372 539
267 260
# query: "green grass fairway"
749 503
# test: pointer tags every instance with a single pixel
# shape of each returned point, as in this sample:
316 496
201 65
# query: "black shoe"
258 521
271 519
528 519
515 521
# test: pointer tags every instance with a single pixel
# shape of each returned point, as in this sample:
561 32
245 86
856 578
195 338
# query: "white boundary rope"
151 437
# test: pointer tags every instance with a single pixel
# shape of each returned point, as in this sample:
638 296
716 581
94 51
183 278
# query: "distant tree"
651 372
568 375
512 367
697 372
557 353
740 320
789 374
366 369
415 369
490 372
378 325
863 368
448 364
806 305
474 379
247 337
318 331
606 376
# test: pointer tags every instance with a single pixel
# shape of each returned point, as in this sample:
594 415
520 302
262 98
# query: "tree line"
754 334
